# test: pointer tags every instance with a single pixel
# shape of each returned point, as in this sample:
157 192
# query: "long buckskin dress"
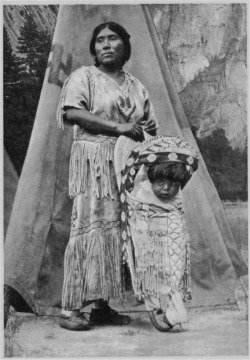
92 263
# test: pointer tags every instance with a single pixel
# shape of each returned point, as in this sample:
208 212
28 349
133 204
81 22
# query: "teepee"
39 226
10 185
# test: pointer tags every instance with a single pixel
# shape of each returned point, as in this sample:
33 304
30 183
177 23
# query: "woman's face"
165 189
109 48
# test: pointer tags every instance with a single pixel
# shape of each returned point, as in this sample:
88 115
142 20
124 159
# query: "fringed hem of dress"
92 267
95 157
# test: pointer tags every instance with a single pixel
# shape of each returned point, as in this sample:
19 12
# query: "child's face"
165 189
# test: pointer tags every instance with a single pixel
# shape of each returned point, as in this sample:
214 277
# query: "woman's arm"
90 122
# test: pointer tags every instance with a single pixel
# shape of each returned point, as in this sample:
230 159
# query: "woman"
102 102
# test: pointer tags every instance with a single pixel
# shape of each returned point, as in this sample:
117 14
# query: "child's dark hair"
174 171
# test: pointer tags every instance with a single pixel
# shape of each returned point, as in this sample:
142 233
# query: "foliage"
23 78
19 113
227 166
34 45
10 61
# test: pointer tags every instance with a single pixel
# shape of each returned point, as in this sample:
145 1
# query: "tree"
23 78
10 61
34 46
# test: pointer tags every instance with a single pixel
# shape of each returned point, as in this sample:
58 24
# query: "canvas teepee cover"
39 226
10 186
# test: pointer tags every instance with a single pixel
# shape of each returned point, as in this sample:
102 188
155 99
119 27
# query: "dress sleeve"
75 93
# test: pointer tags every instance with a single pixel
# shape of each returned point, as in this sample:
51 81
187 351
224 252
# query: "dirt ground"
217 331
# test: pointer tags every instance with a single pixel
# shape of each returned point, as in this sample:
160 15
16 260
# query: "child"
157 243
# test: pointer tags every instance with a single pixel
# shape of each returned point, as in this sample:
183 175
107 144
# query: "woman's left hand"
150 127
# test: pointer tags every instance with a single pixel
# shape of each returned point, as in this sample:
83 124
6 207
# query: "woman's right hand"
132 130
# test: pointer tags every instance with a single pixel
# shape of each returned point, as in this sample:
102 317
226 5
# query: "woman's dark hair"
174 171
120 31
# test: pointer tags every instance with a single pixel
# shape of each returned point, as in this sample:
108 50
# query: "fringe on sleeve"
60 111
76 92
